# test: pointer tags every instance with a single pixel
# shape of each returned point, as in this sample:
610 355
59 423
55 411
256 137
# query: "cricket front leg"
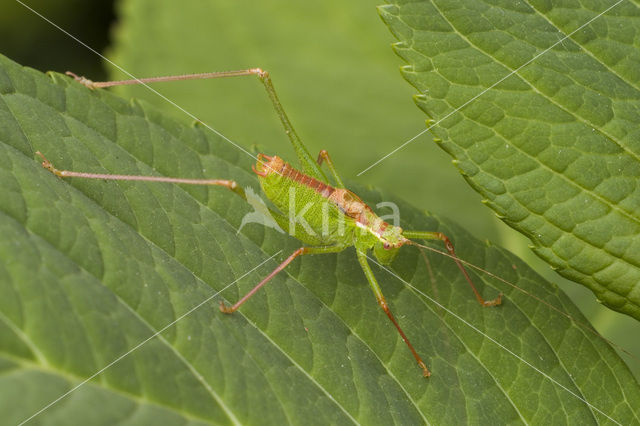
424 235
362 258
300 252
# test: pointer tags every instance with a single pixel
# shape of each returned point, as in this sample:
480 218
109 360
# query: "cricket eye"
386 246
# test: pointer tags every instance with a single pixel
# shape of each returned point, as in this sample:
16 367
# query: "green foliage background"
337 77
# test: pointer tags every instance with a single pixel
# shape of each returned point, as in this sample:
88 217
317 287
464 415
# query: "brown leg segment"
362 258
229 310
309 166
232 185
383 304
447 243
301 251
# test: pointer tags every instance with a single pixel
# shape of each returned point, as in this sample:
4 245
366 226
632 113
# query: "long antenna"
581 324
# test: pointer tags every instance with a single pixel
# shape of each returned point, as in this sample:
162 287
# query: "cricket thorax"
352 206
348 202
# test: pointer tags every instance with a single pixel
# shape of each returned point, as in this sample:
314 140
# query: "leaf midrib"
583 47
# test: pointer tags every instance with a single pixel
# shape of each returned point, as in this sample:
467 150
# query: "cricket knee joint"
47 165
322 155
383 304
301 251
495 302
264 75
226 309
447 242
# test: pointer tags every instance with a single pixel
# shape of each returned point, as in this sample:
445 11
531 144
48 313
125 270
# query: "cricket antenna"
583 325
494 302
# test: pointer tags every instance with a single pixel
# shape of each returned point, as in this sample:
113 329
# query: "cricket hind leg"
230 184
425 235
279 219
300 252
309 166
362 258
323 156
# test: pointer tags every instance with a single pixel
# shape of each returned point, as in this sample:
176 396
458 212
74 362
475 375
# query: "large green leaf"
90 269
339 86
553 146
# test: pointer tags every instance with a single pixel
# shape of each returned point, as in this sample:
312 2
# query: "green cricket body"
336 216
328 219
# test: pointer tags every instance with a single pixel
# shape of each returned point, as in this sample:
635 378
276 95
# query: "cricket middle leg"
300 252
362 258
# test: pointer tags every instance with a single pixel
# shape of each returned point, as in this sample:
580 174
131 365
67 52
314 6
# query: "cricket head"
266 165
390 239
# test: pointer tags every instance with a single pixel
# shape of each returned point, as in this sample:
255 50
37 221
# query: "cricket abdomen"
332 213
283 170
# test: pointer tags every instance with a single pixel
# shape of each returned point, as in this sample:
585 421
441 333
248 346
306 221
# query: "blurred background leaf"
335 72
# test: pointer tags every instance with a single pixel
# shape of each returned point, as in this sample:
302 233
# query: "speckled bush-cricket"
327 218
